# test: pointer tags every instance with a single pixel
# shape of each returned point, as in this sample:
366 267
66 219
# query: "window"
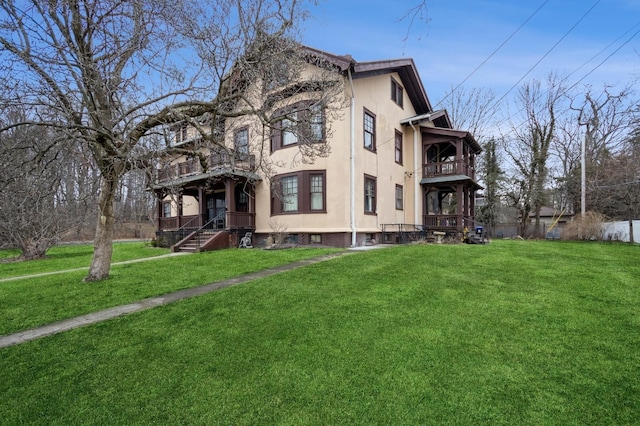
166 209
315 238
317 123
317 192
289 136
369 194
289 193
396 92
301 192
398 147
399 197
180 133
300 123
369 131
241 141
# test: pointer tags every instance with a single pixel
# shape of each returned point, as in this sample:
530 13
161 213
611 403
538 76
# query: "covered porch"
190 201
448 179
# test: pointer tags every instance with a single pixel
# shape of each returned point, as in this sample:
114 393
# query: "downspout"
352 165
416 185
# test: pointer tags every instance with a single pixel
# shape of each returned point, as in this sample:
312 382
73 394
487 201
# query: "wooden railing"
177 222
448 168
237 220
233 220
216 160
450 221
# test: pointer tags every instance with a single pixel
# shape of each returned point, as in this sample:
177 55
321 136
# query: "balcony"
215 161
447 222
448 168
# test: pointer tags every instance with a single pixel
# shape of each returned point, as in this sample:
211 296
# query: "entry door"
215 205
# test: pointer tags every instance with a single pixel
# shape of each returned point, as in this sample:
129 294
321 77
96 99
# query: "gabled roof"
460 134
405 68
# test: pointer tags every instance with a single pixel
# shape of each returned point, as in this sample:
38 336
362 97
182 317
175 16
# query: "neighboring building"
395 164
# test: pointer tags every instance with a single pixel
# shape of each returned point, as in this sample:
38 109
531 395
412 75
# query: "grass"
72 257
509 333
36 301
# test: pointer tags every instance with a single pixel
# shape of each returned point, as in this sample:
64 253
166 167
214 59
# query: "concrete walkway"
86 268
117 311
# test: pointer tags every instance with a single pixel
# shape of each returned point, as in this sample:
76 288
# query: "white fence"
620 231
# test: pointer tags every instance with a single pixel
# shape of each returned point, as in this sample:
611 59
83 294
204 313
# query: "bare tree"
31 215
472 110
529 147
616 191
110 73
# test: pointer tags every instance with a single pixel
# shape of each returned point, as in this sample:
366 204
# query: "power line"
493 53
565 91
546 54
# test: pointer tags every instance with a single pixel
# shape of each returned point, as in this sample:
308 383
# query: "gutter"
416 182
352 166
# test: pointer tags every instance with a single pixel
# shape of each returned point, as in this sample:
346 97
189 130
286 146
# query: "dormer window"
396 92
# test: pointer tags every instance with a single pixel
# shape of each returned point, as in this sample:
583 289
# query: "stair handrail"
185 225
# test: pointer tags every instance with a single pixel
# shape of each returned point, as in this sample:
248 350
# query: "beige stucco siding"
372 93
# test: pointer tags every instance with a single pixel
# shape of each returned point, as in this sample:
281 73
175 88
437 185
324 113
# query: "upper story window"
180 133
300 123
369 127
241 141
301 192
398 147
396 92
166 209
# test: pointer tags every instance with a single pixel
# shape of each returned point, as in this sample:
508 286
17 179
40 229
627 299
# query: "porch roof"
218 172
438 180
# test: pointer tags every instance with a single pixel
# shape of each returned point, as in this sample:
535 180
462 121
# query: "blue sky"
458 35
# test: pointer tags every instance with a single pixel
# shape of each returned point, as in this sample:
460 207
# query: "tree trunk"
103 241
631 240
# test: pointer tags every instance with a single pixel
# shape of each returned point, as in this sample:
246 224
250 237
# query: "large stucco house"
396 168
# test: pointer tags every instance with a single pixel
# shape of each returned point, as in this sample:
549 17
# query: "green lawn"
73 256
518 333
36 301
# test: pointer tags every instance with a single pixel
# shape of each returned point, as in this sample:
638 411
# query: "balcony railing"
216 160
232 220
448 168
449 221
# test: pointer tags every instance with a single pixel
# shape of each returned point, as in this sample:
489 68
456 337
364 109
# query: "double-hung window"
180 133
301 123
399 197
369 130
316 187
241 141
289 193
301 192
398 148
369 194
396 92
289 131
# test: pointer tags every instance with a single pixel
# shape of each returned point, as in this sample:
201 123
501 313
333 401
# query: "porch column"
459 148
180 201
460 202
159 210
230 201
202 206
472 203
467 211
